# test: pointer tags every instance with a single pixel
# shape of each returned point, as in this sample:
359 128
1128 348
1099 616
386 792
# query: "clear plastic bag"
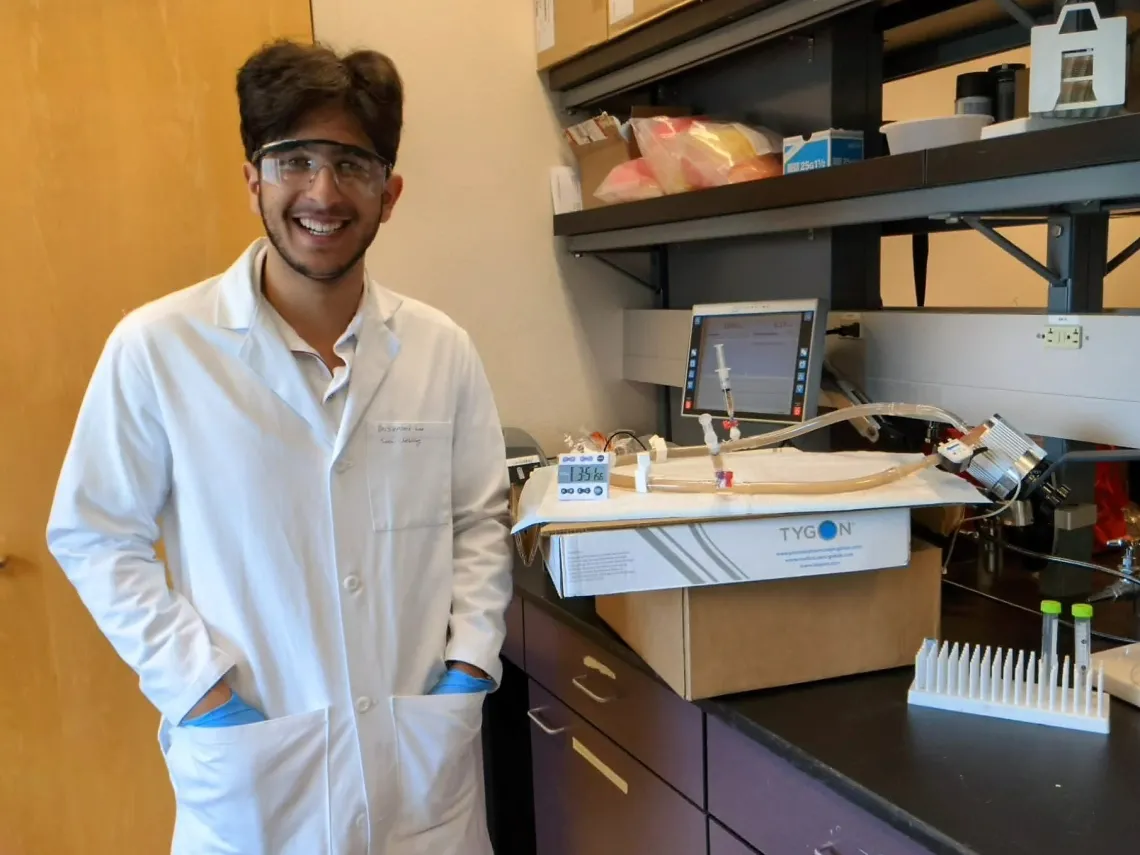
629 182
686 154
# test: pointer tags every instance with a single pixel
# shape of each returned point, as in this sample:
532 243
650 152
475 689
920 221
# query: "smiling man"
324 462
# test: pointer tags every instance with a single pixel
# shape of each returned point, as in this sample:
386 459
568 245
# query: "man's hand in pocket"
221 707
462 678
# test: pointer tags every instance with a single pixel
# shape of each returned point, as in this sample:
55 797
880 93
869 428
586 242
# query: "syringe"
722 371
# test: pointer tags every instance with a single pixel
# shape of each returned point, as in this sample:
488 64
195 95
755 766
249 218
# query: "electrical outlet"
1064 337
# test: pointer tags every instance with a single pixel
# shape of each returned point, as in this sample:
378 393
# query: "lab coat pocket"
255 789
437 742
409 474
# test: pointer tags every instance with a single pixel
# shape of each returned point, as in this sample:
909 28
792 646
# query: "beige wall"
965 268
472 233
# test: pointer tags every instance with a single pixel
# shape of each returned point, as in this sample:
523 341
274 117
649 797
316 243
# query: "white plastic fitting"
712 441
642 476
660 449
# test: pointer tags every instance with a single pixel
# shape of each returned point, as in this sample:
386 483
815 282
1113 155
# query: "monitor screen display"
768 355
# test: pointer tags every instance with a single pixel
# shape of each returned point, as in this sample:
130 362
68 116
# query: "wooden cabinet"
642 715
592 798
724 842
782 811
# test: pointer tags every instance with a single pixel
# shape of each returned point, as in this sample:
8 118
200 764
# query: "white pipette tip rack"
1008 684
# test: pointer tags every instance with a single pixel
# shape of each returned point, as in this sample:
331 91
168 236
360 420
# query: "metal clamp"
596 698
1127 561
543 726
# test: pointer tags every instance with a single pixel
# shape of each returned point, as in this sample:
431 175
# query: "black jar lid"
1007 69
974 84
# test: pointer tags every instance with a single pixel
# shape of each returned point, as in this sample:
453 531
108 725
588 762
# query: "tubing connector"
712 441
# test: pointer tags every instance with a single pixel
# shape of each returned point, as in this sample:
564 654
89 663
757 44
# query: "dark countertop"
957 784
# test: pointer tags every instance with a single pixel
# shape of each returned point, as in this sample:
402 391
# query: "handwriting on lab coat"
401 434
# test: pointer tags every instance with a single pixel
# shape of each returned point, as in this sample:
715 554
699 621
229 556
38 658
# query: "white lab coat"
330 576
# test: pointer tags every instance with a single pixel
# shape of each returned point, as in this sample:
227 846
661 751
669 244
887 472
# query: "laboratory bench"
618 763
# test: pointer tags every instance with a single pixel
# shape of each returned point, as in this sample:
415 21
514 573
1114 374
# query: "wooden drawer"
592 798
722 842
781 811
513 645
643 716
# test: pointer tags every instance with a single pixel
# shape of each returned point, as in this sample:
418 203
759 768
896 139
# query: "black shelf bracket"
1014 250
1123 256
643 267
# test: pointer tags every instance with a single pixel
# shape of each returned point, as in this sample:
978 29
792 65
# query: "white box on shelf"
1082 73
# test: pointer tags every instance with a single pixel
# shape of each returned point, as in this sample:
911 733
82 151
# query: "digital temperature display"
584 477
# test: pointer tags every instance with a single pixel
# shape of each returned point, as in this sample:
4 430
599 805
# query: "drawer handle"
596 698
542 725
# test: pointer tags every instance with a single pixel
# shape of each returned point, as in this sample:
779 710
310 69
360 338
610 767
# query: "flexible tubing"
847 485
911 411
1061 559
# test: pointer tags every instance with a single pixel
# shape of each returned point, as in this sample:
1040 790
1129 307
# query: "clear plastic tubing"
1050 619
783 488
924 412
1082 630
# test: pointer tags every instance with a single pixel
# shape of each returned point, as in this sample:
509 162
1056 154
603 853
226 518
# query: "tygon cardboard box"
626 15
634 542
566 28
723 639
732 593
607 558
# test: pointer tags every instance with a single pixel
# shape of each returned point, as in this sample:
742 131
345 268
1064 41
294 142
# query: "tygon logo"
826 530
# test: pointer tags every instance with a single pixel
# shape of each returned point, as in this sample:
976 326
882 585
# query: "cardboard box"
821 150
626 15
711 641
599 144
617 558
566 28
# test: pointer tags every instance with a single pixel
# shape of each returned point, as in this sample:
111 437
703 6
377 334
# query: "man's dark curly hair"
284 81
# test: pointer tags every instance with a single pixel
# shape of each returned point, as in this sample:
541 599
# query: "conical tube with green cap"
1050 619
1082 631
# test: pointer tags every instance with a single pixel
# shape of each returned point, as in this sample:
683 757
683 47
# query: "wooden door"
121 182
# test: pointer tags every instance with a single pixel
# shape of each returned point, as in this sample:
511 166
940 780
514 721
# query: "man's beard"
278 240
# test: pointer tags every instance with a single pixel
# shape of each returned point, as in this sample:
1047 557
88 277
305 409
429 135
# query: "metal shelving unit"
1087 168
918 35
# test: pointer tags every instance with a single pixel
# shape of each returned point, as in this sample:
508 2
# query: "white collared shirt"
329 386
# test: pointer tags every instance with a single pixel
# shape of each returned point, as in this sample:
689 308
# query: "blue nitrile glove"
456 682
232 713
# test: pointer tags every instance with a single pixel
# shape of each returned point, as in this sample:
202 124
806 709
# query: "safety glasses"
295 165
